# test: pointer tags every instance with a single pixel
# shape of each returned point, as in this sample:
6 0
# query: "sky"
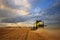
27 11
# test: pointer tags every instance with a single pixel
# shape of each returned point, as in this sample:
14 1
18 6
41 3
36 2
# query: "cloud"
14 8
57 3
24 3
14 20
52 15
28 10
16 3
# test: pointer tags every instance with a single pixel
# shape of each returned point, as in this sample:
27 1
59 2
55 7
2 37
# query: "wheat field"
26 34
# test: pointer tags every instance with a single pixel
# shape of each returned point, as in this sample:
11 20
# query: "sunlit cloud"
22 12
15 7
24 3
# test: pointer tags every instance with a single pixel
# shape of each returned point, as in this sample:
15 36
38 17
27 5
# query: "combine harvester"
38 24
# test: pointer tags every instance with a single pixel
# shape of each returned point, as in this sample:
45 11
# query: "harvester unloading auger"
38 24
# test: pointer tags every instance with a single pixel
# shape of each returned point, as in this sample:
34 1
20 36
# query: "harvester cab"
38 24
